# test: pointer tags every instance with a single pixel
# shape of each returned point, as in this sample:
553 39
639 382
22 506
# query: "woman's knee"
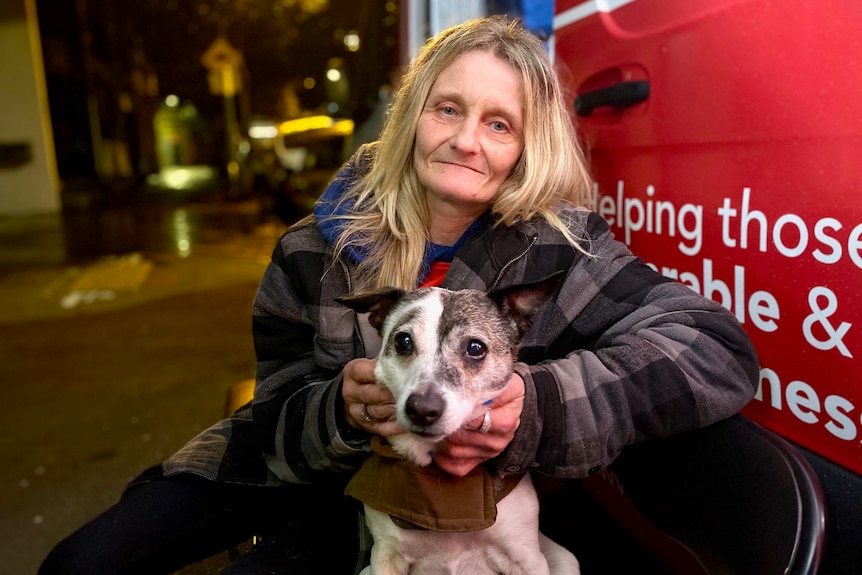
76 556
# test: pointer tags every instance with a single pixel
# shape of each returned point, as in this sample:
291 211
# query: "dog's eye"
476 349
403 343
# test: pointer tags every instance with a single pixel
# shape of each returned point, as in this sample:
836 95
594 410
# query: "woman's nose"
466 136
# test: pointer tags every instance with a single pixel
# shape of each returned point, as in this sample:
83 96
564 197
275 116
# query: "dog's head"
445 353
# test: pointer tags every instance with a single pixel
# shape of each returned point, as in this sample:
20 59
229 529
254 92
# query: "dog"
445 355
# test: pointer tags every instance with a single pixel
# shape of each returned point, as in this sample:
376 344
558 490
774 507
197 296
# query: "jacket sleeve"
297 401
636 357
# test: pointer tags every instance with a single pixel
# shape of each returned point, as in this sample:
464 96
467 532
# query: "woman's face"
470 134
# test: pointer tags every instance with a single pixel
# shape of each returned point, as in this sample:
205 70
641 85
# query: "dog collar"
417 497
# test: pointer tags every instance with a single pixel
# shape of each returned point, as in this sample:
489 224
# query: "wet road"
157 227
123 327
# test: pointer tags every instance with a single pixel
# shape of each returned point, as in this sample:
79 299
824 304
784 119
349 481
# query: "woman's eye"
499 126
403 343
448 110
476 349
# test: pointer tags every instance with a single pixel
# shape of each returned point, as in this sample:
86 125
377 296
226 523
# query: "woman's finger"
480 441
367 406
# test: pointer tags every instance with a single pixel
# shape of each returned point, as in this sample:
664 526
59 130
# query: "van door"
725 137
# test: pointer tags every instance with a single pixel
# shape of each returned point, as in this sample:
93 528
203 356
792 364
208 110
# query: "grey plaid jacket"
622 355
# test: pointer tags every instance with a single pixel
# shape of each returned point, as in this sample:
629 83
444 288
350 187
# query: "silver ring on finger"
486 424
365 415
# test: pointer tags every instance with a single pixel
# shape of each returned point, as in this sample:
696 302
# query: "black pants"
165 524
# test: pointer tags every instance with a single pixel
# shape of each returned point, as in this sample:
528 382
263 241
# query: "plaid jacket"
621 356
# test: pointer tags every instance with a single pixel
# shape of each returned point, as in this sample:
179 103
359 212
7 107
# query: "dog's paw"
424 459
418 451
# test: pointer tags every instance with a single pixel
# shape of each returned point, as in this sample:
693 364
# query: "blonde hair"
389 218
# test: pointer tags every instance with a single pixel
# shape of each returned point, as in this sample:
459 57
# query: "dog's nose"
424 409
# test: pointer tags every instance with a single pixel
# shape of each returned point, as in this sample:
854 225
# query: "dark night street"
123 329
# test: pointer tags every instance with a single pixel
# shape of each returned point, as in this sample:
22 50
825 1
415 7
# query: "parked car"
309 152
725 138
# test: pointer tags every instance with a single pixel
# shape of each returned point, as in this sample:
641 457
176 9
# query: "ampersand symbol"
834 337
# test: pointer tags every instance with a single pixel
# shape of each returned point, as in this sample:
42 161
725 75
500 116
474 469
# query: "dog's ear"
520 302
376 304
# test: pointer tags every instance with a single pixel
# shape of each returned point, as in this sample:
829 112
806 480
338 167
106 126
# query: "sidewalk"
122 331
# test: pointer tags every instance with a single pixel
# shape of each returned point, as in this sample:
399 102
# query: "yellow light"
182 177
304 131
310 6
262 132
304 124
182 231
343 127
351 41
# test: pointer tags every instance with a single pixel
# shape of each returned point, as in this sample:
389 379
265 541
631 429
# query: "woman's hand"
463 450
467 448
367 405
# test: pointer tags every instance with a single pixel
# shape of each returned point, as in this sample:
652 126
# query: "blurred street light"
351 41
138 52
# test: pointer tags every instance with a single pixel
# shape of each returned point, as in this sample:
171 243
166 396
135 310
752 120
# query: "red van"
725 137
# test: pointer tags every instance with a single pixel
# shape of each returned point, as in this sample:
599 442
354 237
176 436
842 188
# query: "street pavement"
122 329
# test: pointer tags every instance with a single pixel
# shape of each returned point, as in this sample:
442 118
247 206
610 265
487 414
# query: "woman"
477 182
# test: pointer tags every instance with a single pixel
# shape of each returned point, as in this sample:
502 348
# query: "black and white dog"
444 356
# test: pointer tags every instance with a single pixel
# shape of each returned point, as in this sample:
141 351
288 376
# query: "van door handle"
618 96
